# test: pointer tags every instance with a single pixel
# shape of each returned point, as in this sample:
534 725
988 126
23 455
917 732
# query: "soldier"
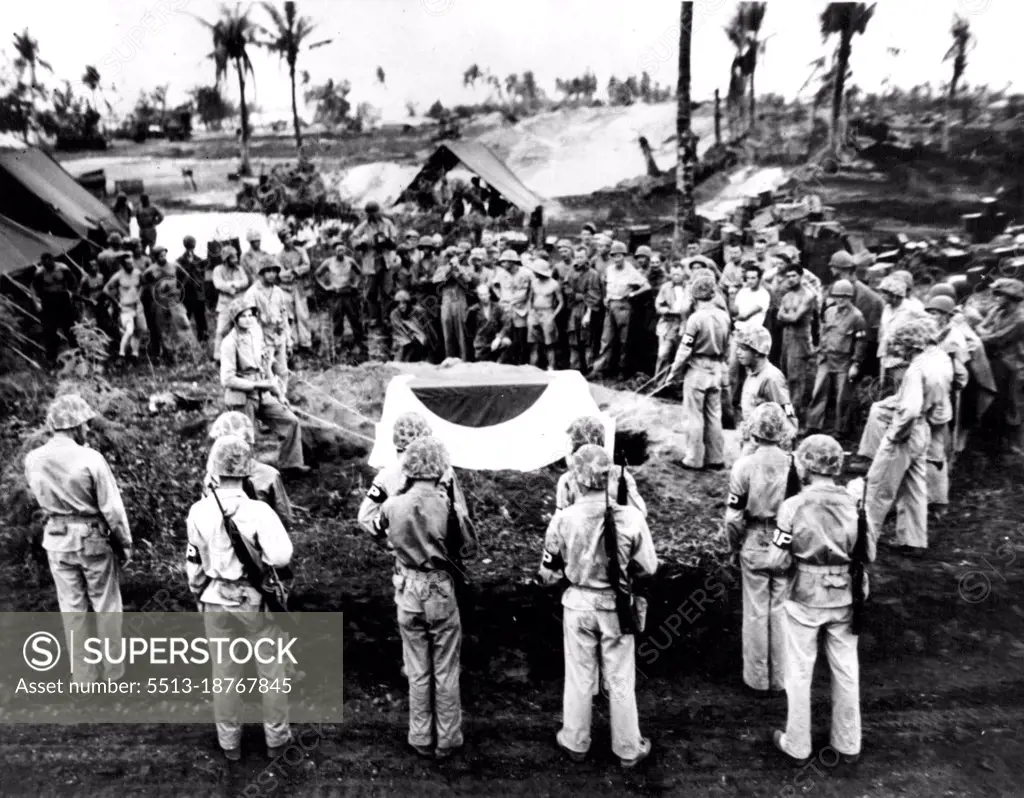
817 531
797 308
253 260
108 258
700 359
899 471
125 289
583 295
376 237
295 272
757 487
230 281
734 271
749 310
265 483
545 305
340 278
622 282
149 217
870 304
455 282
194 269
53 285
85 525
593 635
408 337
272 305
427 566
233 607
493 337
764 381
250 387
671 304
898 307
214 258
589 430
843 346
1002 332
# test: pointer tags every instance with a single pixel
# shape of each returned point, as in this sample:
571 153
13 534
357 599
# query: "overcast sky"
425 45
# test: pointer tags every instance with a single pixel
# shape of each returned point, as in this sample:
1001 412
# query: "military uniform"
455 283
53 287
672 306
230 282
1002 332
796 313
619 283
843 344
295 271
567 491
389 482
273 307
583 293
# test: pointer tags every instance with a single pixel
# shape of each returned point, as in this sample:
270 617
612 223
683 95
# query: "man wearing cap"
125 289
700 361
816 532
149 217
194 269
764 381
757 488
483 274
600 259
230 281
375 239
295 274
797 308
454 283
272 313
214 258
586 237
899 471
749 310
108 257
1002 332
898 308
582 289
249 385
340 278
545 305
232 607
672 306
622 281
733 270
428 557
492 325
843 346
53 285
593 636
255 256
85 525
166 283
869 303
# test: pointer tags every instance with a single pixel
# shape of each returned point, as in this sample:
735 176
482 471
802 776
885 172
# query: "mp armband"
737 501
782 539
553 562
688 340
376 494
192 555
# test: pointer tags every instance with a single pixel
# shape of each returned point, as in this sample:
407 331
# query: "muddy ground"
942 694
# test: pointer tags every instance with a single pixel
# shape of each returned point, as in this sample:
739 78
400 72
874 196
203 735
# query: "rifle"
623 493
623 599
857 564
268 584
793 485
454 544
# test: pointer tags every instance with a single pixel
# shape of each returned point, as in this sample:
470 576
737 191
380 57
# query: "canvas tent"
21 248
482 161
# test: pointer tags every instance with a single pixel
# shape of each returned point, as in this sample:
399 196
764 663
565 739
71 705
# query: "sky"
424 46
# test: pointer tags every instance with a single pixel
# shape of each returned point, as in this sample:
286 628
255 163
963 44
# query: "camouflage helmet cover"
231 456
240 305
1009 287
234 423
68 411
426 458
585 430
619 248
820 454
590 466
768 422
703 288
913 333
941 303
758 339
408 428
893 285
943 289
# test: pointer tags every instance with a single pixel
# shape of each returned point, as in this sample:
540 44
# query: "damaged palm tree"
686 141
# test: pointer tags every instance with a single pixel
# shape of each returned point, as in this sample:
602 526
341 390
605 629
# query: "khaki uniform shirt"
567 491
416 524
707 332
843 338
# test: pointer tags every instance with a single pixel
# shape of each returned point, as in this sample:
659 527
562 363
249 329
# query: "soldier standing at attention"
593 636
764 382
797 307
85 523
415 523
230 281
817 531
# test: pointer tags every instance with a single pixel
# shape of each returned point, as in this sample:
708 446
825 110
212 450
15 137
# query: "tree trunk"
842 61
753 102
684 147
295 113
718 119
245 169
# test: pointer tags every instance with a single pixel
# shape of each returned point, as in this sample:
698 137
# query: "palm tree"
28 57
846 19
471 76
381 78
686 145
91 78
290 32
232 34
962 41
744 32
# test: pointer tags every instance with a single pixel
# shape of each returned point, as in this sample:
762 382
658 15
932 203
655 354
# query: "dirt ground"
942 694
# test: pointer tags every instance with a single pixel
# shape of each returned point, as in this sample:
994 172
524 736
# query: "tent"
514 419
21 248
37 193
482 161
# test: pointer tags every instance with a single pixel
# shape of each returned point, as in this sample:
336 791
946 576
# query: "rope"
330 398
330 424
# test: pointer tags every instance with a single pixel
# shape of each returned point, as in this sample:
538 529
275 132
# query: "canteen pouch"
439 602
94 542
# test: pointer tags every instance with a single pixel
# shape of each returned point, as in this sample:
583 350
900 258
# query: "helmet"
231 456
893 285
437 239
478 252
912 333
943 289
114 238
905 276
426 241
240 305
401 295
159 250
618 248
253 235
643 252
269 264
188 241
1008 287
842 260
410 233
842 288
372 207
509 256
234 423
820 454
68 411
768 422
408 428
584 430
426 458
758 339
602 240
563 243
590 466
941 303
228 253
703 288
